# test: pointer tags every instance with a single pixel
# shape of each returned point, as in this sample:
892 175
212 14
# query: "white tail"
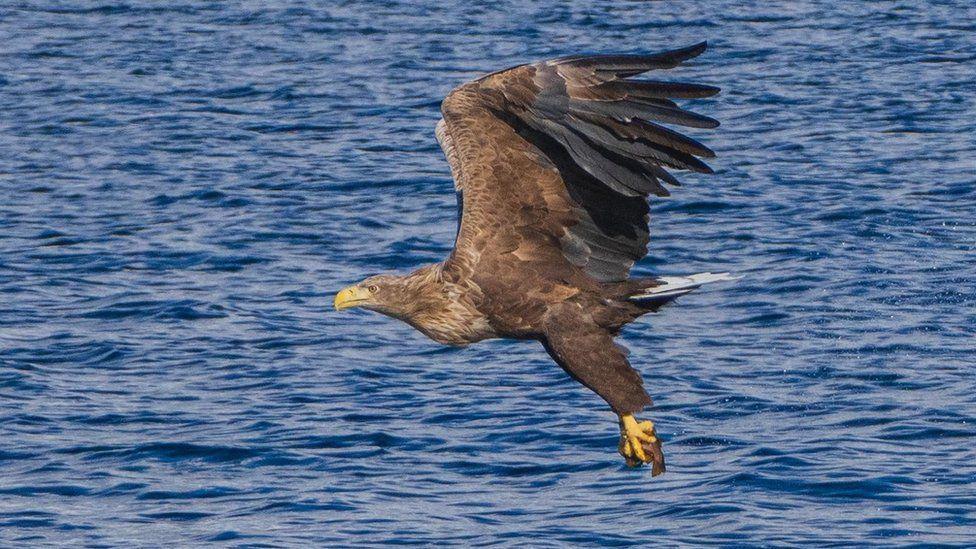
673 286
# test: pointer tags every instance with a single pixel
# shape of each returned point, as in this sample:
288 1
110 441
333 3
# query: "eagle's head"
384 293
392 295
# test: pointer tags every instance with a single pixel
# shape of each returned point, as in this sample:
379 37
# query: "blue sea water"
186 183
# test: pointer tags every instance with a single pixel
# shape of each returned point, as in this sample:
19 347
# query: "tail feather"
674 286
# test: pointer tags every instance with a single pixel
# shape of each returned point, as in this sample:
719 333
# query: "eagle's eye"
373 288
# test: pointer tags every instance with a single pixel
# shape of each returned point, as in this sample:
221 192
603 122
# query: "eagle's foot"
639 444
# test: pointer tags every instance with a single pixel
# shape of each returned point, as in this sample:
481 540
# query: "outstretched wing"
555 161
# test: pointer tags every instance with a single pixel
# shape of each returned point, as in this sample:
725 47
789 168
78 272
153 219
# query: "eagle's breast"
449 314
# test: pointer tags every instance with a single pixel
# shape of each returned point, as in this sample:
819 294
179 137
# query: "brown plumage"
554 162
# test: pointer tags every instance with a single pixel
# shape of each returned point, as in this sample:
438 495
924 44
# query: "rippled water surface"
185 184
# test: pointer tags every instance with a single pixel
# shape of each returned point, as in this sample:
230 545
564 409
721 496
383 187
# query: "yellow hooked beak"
350 297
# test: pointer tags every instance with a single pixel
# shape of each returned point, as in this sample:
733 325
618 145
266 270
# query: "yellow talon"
639 444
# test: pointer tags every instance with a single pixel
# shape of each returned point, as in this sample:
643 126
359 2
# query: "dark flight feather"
624 66
654 89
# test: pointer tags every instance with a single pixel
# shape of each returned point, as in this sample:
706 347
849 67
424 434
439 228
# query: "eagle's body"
455 309
553 162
